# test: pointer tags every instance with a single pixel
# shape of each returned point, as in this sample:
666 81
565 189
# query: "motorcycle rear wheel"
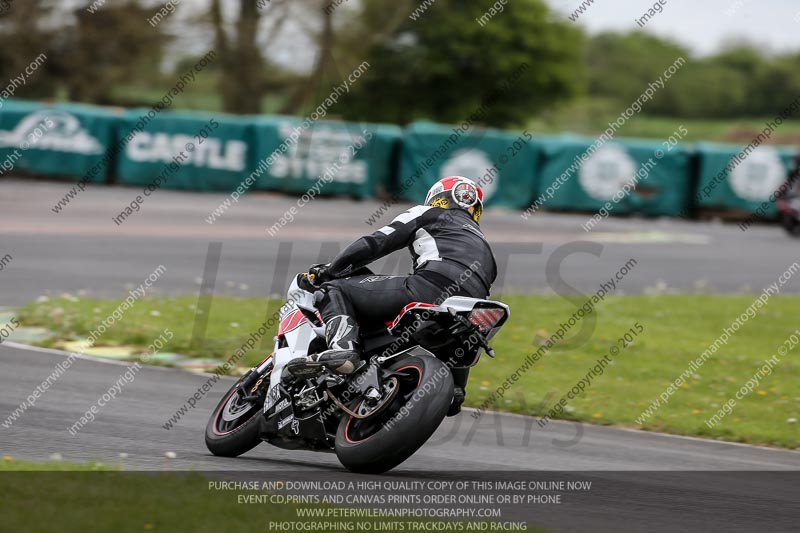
381 442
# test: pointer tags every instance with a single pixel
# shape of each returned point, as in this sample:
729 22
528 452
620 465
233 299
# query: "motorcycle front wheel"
234 426
379 443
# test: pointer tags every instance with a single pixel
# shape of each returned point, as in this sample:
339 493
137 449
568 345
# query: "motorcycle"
374 418
788 203
789 213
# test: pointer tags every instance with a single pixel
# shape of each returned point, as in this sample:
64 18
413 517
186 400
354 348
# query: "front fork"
253 379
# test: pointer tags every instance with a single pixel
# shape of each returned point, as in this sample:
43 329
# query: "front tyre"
233 428
379 443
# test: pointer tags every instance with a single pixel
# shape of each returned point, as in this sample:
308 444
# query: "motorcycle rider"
445 242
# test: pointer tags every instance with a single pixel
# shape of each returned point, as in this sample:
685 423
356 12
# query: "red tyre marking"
219 411
347 427
418 369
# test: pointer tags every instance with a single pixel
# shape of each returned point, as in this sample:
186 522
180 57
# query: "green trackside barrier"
731 179
65 140
190 151
590 176
328 157
504 164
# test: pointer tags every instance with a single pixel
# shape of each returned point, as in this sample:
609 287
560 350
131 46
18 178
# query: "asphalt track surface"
650 497
82 249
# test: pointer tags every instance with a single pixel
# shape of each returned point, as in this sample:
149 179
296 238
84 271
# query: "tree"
22 40
445 65
751 67
780 83
703 90
340 40
737 82
106 49
240 62
621 65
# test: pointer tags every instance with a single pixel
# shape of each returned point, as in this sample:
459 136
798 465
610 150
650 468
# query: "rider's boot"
344 351
460 377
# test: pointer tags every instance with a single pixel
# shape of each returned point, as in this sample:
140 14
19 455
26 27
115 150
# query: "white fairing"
463 303
297 340
300 297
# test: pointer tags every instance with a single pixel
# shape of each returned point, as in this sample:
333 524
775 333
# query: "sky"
701 25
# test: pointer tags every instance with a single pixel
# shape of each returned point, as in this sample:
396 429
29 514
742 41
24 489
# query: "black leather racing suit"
451 258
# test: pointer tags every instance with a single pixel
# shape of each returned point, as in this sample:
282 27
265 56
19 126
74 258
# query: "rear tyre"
381 442
234 427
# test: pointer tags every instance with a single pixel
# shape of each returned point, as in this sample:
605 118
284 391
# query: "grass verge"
676 330
78 498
